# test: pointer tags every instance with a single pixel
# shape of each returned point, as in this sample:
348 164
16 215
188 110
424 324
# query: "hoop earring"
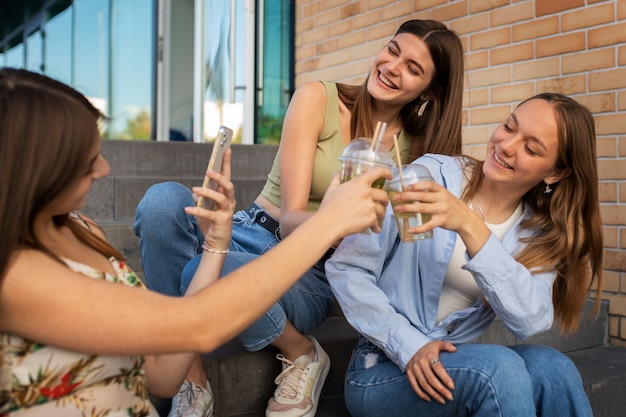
422 108
548 190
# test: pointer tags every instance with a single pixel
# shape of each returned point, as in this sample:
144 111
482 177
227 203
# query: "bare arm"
302 126
93 316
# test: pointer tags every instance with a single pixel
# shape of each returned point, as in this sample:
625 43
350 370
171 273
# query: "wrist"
207 248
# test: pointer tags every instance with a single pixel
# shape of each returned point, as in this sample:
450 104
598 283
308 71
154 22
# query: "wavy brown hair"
438 130
48 132
567 221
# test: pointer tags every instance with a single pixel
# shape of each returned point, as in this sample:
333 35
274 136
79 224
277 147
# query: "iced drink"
410 175
359 156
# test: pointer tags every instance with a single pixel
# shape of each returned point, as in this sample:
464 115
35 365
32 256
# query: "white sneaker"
299 385
192 400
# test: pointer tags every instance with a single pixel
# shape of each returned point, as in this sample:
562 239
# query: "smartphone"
221 144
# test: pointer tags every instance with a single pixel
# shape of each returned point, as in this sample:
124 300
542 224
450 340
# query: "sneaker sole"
317 390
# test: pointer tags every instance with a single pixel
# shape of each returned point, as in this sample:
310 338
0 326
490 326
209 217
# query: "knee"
161 202
496 361
546 363
162 197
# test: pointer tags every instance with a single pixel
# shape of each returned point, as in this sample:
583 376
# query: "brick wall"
514 49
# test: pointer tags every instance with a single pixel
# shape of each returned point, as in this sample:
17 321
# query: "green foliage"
137 128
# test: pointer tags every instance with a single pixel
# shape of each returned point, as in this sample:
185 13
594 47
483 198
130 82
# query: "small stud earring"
548 190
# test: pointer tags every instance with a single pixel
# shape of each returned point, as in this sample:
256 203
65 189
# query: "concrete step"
136 165
603 370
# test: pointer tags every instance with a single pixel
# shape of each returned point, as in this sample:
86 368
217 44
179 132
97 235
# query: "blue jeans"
490 381
170 243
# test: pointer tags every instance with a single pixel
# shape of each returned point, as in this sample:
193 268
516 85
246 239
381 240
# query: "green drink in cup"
359 156
403 177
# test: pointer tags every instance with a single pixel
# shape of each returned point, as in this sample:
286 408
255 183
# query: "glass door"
227 69
224 63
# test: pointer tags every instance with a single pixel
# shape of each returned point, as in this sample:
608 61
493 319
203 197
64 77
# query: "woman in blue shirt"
517 236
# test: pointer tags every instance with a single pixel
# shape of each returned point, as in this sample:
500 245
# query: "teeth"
385 81
500 161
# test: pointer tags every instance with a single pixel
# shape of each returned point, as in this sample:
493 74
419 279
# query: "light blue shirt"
389 290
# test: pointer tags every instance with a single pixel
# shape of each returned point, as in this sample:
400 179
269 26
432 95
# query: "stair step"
603 370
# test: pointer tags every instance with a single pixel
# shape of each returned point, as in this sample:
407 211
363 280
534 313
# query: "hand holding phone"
221 144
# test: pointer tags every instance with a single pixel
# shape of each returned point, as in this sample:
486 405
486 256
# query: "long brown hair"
567 221
438 130
48 131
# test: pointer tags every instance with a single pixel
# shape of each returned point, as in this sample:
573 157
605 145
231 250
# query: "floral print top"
40 380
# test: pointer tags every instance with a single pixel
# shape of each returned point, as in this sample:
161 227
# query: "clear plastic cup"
359 156
411 174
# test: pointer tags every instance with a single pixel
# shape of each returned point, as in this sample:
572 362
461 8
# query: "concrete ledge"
592 331
604 376
182 159
136 165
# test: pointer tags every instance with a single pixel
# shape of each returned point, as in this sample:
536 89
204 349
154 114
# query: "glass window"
275 77
224 48
15 56
91 57
132 33
58 45
34 52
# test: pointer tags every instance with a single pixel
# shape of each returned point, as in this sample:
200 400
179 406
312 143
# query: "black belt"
273 226
268 222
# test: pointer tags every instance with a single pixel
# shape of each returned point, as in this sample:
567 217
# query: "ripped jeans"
490 380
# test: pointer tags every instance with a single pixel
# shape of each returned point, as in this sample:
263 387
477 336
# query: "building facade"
162 69
174 51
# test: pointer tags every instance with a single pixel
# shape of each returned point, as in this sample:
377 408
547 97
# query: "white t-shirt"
459 288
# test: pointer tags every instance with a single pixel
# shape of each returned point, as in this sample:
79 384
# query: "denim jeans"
490 381
170 244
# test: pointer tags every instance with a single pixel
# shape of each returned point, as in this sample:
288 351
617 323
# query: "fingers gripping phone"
221 144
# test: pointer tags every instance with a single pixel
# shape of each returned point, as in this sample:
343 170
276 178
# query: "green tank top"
330 144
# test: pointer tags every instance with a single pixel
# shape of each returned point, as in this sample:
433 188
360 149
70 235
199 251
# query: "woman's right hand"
216 224
355 205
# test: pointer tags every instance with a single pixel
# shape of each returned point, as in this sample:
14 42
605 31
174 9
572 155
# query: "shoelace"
188 397
290 378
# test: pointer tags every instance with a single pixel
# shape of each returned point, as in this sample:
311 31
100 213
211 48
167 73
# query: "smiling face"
402 71
522 151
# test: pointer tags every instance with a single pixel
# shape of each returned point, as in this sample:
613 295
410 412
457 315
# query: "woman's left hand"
426 374
216 224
